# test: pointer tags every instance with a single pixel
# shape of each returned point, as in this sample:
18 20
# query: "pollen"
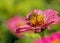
40 17
33 20
36 19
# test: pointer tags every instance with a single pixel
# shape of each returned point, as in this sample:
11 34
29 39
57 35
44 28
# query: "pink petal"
13 23
54 36
56 20
50 16
46 13
46 40
38 12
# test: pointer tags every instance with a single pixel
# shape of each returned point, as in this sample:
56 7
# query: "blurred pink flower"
38 19
16 25
53 38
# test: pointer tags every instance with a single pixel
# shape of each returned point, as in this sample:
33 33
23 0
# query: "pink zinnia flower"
53 38
17 25
36 21
39 19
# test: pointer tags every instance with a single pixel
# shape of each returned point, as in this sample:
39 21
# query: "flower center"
36 20
56 41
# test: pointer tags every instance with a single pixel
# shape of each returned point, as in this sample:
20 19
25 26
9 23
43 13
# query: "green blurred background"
9 8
